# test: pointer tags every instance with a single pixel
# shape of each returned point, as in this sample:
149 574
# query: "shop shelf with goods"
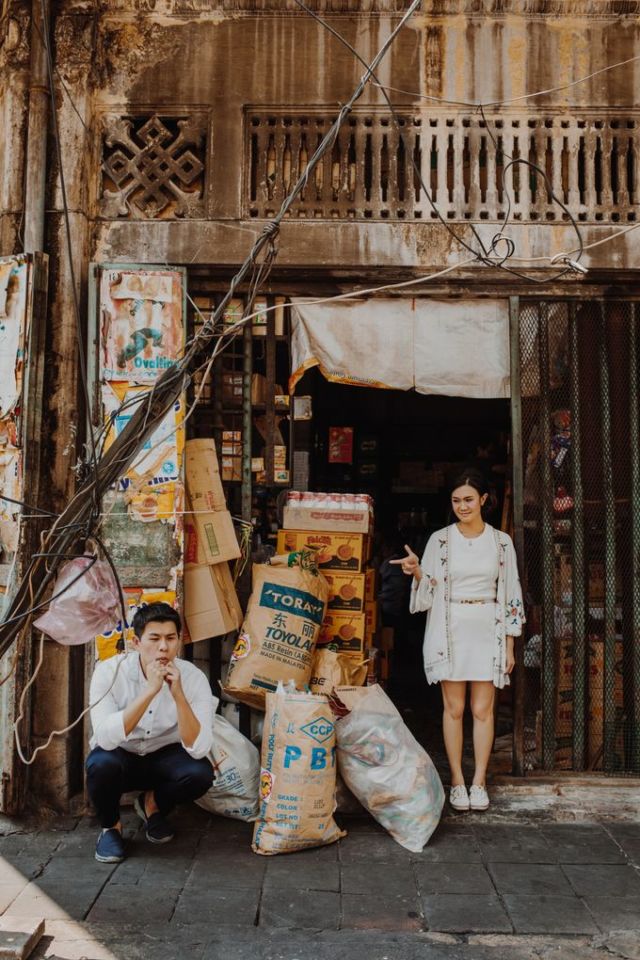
577 544
244 407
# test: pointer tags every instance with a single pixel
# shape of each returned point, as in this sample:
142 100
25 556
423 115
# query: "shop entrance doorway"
402 448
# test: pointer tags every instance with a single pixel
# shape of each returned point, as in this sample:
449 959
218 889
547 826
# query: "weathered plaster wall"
14 91
221 61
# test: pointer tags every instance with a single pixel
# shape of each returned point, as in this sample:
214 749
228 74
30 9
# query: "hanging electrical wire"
82 513
62 535
488 256
506 102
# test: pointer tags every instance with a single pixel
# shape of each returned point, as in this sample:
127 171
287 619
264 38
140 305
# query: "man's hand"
188 723
172 676
410 564
155 676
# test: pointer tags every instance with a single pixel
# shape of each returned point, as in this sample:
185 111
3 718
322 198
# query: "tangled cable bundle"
81 516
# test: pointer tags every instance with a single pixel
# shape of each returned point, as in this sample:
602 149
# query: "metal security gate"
577 525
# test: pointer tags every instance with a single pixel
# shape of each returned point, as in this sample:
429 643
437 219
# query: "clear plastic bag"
234 792
386 768
85 602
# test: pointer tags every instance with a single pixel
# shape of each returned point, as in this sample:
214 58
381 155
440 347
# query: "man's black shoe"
110 847
158 830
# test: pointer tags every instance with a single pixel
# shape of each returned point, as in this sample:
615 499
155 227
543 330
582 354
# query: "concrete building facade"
182 124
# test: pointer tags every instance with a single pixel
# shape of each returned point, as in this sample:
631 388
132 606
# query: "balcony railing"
591 162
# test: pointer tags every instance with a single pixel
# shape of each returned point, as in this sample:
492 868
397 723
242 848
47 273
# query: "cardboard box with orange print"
346 591
346 631
371 619
370 585
345 552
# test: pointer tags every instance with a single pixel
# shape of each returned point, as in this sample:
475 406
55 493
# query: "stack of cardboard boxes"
211 604
339 528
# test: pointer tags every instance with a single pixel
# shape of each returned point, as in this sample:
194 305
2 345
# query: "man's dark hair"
160 612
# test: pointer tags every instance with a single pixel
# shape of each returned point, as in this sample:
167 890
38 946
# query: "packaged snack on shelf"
232 469
338 512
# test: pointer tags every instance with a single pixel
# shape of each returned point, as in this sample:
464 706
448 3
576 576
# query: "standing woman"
468 581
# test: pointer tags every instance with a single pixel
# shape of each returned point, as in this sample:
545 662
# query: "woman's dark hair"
157 612
471 477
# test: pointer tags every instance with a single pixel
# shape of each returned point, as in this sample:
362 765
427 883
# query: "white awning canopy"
455 348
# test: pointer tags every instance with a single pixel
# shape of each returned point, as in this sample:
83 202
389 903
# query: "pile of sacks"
318 721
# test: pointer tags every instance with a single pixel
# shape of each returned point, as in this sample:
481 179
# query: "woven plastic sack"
333 669
386 768
298 776
85 603
234 792
278 637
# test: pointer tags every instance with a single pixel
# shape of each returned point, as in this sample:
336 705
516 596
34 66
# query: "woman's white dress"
469 622
473 572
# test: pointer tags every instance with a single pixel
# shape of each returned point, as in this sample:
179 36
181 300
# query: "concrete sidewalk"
480 889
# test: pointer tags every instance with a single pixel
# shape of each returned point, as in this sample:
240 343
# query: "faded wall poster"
140 313
14 326
14 276
141 323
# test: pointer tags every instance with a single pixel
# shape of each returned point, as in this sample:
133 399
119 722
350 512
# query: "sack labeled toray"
280 630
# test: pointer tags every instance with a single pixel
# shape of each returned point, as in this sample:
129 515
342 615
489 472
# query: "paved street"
490 889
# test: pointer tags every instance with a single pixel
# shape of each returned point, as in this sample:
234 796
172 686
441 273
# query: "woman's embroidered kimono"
433 594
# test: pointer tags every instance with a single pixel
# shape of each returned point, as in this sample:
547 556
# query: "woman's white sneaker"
478 798
459 798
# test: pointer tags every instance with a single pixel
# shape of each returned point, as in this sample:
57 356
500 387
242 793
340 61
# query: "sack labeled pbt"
298 776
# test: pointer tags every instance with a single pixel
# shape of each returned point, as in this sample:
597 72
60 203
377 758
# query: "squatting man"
152 731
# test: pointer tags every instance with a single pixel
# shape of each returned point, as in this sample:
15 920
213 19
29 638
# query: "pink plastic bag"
88 607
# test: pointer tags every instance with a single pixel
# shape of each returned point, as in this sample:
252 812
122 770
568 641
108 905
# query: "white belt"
486 600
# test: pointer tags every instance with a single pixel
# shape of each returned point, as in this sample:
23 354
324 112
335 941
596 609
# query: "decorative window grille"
153 167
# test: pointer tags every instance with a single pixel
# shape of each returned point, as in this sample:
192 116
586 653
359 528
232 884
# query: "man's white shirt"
158 726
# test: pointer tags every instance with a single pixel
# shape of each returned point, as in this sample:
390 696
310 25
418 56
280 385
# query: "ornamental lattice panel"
153 167
591 162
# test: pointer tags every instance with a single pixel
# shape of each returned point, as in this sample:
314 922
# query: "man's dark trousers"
173 775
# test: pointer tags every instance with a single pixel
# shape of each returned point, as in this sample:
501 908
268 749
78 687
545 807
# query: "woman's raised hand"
410 564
